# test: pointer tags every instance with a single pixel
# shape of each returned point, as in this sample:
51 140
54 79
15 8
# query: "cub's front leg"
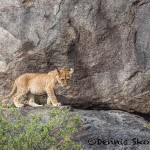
52 98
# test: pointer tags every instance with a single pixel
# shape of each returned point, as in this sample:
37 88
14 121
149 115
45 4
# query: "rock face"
106 41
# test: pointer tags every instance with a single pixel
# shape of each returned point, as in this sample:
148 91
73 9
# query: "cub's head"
63 76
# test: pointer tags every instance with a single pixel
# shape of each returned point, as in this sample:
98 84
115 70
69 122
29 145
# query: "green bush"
34 133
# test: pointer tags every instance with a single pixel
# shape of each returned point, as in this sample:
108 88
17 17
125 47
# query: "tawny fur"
31 84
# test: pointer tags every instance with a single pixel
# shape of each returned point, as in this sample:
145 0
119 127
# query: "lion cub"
31 84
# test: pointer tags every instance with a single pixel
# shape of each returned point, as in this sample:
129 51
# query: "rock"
109 130
2 66
105 41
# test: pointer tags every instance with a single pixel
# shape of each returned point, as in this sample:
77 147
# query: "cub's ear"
71 71
57 71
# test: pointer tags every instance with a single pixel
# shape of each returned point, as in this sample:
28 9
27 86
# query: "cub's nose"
65 85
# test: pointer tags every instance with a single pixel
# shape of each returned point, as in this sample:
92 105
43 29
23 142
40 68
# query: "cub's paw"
57 104
19 105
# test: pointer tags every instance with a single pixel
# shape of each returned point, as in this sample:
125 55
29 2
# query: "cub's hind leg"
21 91
17 96
31 101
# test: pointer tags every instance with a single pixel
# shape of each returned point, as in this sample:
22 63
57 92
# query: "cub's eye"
62 79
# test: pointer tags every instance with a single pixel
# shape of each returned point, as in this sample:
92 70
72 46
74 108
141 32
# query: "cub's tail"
11 93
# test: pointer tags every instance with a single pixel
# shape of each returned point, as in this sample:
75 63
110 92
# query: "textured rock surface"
101 129
106 41
106 126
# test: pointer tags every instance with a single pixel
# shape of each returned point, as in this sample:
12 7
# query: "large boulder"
106 41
